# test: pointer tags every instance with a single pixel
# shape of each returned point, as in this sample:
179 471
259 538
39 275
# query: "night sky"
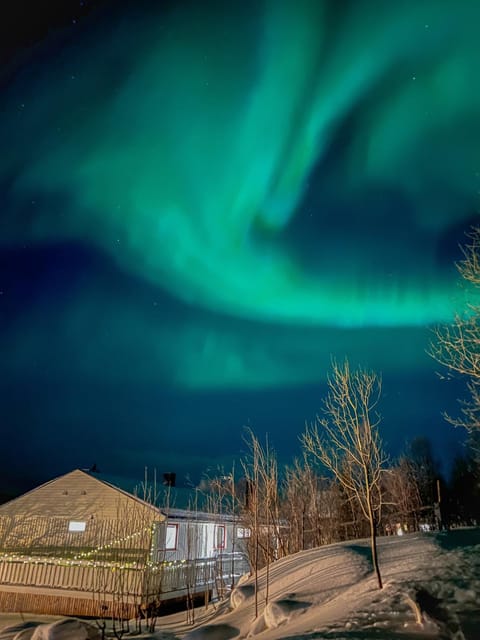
202 202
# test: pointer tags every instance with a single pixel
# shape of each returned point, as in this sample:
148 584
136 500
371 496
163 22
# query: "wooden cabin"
78 545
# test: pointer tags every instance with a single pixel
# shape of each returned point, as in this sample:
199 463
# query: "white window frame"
220 543
171 537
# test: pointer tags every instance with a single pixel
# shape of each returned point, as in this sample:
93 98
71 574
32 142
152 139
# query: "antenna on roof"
169 479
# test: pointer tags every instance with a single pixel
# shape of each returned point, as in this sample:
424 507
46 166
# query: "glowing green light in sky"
190 166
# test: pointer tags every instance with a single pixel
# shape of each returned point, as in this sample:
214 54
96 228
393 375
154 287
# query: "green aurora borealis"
215 198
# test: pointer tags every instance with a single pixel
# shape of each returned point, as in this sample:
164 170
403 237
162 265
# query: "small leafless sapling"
345 439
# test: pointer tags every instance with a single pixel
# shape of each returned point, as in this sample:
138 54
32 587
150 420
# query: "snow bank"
432 582
281 611
213 632
432 587
64 629
241 594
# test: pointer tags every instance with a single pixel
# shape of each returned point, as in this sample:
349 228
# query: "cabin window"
243 532
73 525
171 536
220 536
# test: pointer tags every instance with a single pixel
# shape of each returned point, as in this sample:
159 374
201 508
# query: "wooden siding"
76 495
106 577
123 539
78 577
80 588
67 605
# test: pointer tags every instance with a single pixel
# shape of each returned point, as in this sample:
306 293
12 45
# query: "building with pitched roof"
78 545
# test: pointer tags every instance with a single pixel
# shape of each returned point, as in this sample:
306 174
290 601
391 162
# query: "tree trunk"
373 545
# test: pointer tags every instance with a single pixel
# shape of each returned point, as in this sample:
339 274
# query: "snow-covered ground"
431 590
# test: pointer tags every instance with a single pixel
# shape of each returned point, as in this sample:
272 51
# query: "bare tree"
160 498
346 441
457 345
424 468
311 507
262 510
298 482
402 492
251 468
120 563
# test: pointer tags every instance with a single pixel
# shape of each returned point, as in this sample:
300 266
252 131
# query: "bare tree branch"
457 345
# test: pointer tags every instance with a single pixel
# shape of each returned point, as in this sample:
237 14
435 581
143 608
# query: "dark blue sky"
202 205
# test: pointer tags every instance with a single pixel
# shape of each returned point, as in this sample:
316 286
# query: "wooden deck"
100 589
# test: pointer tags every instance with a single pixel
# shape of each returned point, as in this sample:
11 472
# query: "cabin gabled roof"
76 495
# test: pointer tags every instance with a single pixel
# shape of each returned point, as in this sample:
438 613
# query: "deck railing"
108 577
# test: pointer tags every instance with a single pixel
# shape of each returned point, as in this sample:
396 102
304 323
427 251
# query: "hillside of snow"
431 590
